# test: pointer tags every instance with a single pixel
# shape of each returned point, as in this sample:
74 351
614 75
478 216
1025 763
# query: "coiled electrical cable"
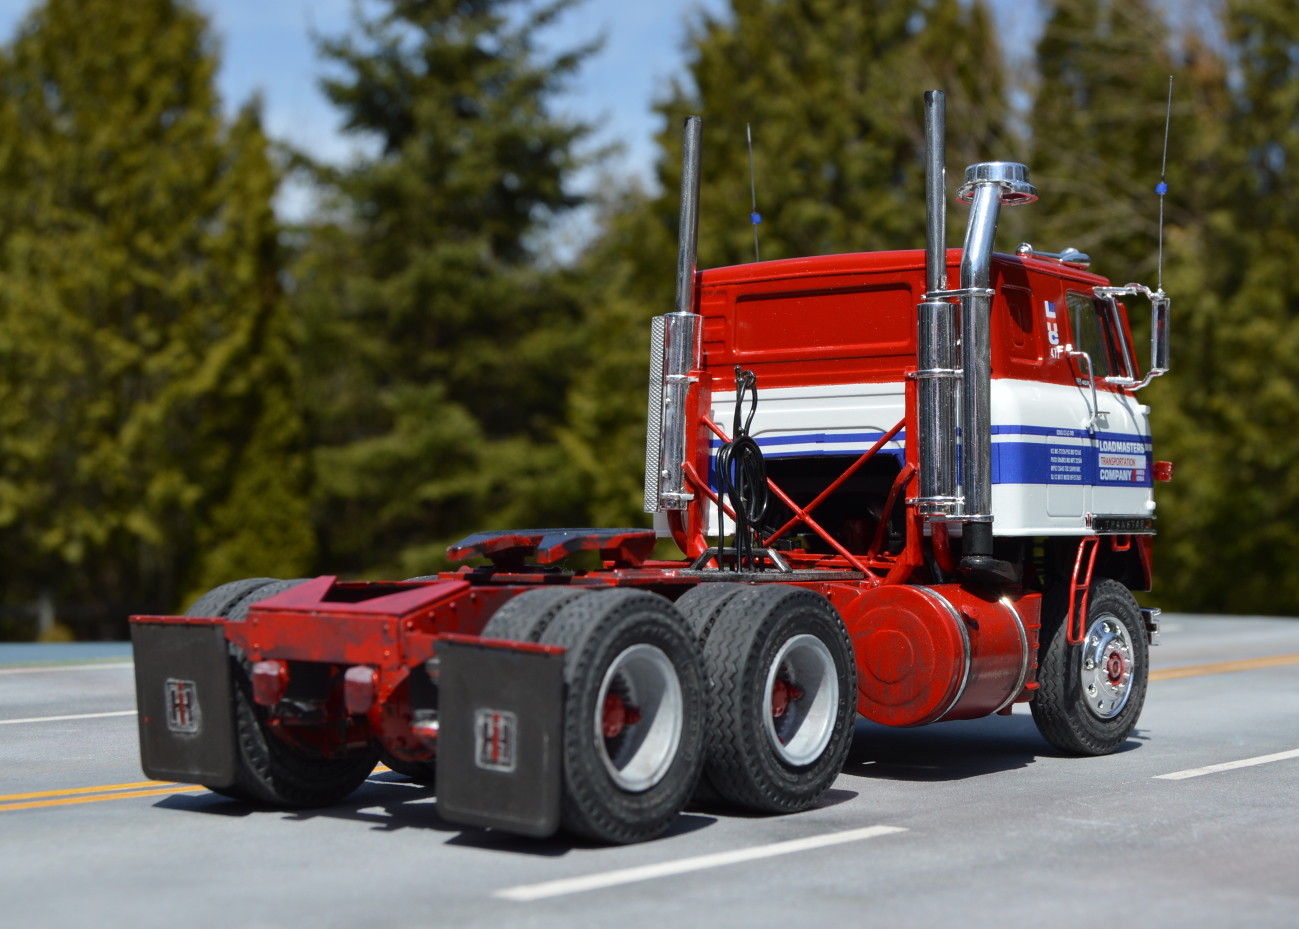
742 475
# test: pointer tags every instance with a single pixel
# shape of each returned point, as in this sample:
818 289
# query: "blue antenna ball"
755 218
1161 188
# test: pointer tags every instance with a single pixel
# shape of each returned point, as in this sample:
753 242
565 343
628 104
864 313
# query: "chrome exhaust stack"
675 351
937 374
954 398
987 187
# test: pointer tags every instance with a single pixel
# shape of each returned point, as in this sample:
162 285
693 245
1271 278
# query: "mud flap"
186 710
500 720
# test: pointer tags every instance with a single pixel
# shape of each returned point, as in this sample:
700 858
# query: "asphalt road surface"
1194 823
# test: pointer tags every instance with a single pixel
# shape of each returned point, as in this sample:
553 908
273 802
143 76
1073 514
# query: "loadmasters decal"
1122 461
1045 455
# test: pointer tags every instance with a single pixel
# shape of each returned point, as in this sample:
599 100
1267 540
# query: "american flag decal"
495 739
182 706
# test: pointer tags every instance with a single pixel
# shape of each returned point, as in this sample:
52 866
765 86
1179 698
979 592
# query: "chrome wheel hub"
802 697
639 717
1107 667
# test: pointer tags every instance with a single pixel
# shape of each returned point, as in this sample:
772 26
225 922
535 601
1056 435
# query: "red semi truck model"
896 499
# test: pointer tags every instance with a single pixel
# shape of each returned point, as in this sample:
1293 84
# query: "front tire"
1090 695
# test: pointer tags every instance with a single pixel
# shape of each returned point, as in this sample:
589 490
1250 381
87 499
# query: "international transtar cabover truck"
896 499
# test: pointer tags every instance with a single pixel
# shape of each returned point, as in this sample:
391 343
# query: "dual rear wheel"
747 689
633 717
267 768
749 686
782 693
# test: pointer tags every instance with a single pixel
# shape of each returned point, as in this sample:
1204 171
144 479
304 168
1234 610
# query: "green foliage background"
191 393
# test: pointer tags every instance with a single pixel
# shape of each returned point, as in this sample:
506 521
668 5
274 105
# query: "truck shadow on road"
952 751
388 802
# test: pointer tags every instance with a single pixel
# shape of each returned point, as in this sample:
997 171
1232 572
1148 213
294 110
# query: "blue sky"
266 47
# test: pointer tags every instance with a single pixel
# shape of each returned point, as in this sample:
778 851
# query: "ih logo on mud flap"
495 740
182 706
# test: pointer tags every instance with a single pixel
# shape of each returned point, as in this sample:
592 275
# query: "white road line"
45 669
1228 765
573 885
59 719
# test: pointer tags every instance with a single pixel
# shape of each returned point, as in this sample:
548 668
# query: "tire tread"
741 767
1057 708
592 806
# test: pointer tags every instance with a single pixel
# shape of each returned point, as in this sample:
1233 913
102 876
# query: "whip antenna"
754 216
1162 187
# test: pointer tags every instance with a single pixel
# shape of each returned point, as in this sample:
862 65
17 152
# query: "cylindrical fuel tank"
926 654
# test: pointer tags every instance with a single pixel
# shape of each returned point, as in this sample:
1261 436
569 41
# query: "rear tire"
270 770
1090 695
702 604
421 772
633 714
782 696
220 600
529 615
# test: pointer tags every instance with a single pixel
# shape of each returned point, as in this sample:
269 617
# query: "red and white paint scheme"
893 497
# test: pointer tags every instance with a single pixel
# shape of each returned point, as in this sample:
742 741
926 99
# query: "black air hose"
742 475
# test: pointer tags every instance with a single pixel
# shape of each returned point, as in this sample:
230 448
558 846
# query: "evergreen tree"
1098 127
1225 415
629 274
145 386
834 94
259 523
1230 534
439 347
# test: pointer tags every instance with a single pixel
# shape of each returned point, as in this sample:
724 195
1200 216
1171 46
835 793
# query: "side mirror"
1158 335
1159 321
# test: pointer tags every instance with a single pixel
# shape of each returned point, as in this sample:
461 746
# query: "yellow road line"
107 788
88 666
73 795
1224 667
66 801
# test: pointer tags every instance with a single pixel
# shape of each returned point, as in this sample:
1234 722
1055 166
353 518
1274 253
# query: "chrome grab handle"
1072 352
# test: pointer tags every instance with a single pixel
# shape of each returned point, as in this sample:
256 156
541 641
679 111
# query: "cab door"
1117 466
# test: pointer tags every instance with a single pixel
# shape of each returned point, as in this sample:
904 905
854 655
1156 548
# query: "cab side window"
1091 333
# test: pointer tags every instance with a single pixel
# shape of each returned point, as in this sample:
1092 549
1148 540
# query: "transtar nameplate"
1123 525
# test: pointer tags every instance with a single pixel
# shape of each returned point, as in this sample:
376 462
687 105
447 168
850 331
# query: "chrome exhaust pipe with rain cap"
987 186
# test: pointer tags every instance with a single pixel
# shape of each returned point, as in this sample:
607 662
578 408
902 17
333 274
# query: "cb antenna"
1162 187
754 216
